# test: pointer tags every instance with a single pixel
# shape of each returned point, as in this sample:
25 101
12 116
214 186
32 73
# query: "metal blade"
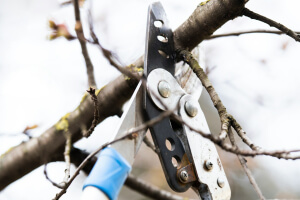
131 118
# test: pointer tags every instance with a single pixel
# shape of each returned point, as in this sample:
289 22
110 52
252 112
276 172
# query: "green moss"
139 69
63 123
134 69
204 2
98 91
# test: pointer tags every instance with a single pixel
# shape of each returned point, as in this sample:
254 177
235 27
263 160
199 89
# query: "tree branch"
205 20
247 171
148 190
271 22
130 134
284 154
81 38
150 145
67 156
91 91
224 116
246 32
52 182
226 119
112 59
27 156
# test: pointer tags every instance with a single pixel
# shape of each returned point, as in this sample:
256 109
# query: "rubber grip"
109 173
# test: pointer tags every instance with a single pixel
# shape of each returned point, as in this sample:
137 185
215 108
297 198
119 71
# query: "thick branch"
205 20
25 157
29 155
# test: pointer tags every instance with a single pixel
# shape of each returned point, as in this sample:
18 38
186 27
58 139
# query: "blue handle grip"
109 173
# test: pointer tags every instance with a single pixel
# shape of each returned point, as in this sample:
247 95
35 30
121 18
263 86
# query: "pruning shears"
188 160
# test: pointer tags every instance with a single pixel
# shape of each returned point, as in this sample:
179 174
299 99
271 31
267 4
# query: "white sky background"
41 80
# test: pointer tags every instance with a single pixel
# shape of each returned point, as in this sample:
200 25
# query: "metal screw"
184 176
209 165
221 182
164 89
190 108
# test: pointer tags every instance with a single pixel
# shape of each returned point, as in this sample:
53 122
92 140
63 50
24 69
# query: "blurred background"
256 76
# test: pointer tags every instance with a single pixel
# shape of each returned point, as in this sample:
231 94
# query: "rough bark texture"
25 157
205 20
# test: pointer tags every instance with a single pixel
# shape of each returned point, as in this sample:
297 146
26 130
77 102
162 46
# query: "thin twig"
284 154
128 135
243 136
226 119
150 145
82 41
67 151
243 162
246 32
66 3
110 56
132 182
271 22
52 182
224 116
148 190
95 121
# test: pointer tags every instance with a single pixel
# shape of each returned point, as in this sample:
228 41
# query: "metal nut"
221 182
190 108
209 165
184 176
164 89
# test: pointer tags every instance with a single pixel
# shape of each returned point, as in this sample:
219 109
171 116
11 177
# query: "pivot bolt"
184 176
164 89
221 182
209 165
191 108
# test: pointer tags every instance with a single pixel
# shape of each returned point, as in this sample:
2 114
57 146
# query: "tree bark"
22 159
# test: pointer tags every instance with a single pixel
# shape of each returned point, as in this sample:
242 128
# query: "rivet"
164 89
221 182
190 108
